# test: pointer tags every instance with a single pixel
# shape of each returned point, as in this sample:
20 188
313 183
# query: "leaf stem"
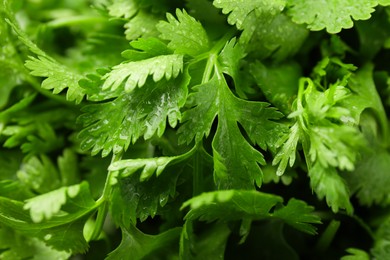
103 200
328 236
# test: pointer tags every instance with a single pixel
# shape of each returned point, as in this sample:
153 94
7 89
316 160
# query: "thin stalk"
103 200
328 236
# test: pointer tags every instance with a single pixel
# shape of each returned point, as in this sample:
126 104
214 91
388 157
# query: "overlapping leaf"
58 76
142 245
114 125
330 15
237 205
176 31
239 10
232 152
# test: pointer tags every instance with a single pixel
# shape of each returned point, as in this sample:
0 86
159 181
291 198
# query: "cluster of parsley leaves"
198 129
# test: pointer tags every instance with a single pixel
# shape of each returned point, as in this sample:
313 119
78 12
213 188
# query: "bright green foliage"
176 32
122 122
214 99
143 24
330 15
58 76
209 129
243 205
356 254
239 10
47 205
156 60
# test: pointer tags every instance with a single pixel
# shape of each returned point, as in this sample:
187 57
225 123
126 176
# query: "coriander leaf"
17 246
230 59
39 174
240 10
332 15
287 152
362 83
322 114
58 76
355 254
44 141
142 245
143 112
47 205
372 33
68 167
143 24
213 99
149 165
228 143
370 180
92 85
380 250
63 233
230 205
176 31
279 83
262 42
210 244
326 182
134 198
122 8
135 73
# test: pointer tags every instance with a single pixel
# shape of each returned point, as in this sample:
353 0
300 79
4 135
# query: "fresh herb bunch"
160 129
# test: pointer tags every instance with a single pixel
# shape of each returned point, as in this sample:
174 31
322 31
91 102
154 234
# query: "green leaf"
326 182
370 180
142 245
115 124
132 198
232 152
239 10
298 215
39 174
381 248
355 254
135 73
143 24
278 83
47 205
122 8
58 76
64 233
230 59
149 165
330 15
362 83
372 33
17 246
210 244
262 42
176 32
239 205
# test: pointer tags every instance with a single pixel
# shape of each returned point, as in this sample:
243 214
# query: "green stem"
76 20
197 174
103 200
328 236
